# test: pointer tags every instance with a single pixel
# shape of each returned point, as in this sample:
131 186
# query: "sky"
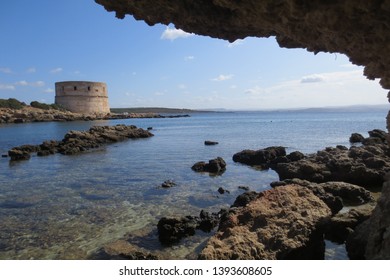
46 41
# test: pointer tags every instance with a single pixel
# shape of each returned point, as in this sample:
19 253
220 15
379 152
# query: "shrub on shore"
11 103
45 106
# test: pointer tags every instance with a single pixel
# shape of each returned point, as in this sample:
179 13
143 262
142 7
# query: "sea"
70 207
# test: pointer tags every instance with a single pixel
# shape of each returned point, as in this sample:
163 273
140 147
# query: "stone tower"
82 97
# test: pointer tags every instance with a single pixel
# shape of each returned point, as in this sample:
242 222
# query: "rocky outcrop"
343 224
335 194
263 157
282 223
216 166
79 141
210 143
371 239
361 165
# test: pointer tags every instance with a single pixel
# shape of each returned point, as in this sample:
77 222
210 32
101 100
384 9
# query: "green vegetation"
11 103
45 106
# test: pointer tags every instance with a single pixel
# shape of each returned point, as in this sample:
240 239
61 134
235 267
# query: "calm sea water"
67 207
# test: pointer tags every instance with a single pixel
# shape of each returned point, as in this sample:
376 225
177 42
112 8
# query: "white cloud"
173 34
188 58
31 84
182 86
221 78
237 42
160 93
7 87
31 70
6 70
49 90
315 78
56 70
256 90
339 89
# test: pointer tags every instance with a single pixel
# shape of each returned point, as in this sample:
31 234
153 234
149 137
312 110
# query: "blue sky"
45 41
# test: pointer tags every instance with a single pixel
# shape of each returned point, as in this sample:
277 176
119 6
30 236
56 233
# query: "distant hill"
157 110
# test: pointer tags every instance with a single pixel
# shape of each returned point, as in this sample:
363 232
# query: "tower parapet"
82 97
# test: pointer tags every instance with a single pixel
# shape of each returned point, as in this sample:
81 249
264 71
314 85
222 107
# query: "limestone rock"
282 223
364 165
262 157
216 166
172 229
356 138
343 224
371 239
334 194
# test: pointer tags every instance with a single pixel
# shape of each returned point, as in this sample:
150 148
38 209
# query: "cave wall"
359 29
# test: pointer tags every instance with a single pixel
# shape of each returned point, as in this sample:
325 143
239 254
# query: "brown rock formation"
371 239
282 223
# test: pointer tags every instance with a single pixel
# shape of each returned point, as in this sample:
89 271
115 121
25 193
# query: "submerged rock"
123 250
168 184
172 230
282 223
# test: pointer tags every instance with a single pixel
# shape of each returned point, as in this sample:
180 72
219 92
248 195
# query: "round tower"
82 97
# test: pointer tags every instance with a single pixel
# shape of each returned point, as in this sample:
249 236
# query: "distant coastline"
157 110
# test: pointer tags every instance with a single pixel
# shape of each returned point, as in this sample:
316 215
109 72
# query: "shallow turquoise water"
67 207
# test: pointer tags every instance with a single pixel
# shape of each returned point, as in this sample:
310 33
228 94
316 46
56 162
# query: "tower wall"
82 97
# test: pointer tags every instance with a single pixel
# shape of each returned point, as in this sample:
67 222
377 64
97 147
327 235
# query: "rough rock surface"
371 239
334 194
173 229
343 224
263 157
282 223
217 166
361 165
79 141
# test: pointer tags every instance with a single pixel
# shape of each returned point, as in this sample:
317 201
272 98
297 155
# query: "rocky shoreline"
31 114
293 218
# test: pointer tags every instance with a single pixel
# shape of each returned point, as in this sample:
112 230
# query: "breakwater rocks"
76 142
